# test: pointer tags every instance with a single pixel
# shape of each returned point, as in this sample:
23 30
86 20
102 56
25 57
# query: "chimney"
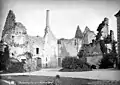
118 33
47 18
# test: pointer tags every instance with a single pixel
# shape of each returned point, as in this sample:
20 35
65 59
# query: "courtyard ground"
74 78
95 74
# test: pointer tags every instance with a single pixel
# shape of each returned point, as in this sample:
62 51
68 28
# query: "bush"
15 67
119 65
93 66
74 64
4 56
30 65
107 61
70 63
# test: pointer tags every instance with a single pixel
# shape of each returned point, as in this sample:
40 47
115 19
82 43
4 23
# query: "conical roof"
118 14
86 30
9 23
78 33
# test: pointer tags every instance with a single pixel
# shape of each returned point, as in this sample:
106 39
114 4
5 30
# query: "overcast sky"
65 15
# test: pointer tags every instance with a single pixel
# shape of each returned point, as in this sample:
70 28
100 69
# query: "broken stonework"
46 51
10 23
88 36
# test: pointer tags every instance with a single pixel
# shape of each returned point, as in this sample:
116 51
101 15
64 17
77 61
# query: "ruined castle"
47 51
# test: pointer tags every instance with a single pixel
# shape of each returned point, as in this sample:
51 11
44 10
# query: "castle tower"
48 32
78 38
50 46
47 18
118 33
47 23
78 33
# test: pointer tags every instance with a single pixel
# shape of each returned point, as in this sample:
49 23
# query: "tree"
28 55
80 53
1 56
114 52
4 56
109 59
30 64
114 47
103 47
13 65
74 64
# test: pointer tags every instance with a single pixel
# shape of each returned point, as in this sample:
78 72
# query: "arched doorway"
59 62
39 63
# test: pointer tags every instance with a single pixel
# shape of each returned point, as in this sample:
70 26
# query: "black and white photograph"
59 42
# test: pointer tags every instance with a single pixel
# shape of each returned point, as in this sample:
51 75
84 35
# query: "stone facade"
47 51
93 53
50 49
16 39
68 47
88 36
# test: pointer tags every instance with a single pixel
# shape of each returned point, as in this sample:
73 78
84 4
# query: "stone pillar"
118 33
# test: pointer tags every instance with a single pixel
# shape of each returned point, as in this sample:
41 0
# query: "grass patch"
37 80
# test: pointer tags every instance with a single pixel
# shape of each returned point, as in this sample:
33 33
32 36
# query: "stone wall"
94 60
118 34
49 50
88 36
